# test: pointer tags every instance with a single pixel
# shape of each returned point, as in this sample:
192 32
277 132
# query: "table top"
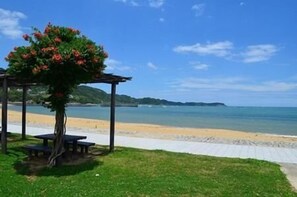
51 136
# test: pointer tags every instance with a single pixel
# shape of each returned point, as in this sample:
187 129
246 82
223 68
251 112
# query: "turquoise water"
274 120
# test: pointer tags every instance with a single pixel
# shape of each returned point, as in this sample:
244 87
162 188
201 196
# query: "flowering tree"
60 58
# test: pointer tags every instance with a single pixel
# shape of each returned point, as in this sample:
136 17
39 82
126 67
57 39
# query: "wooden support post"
4 118
25 88
112 116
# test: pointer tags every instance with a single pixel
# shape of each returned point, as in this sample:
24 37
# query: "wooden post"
25 88
112 116
4 117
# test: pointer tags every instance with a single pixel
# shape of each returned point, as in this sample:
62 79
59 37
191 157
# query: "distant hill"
85 94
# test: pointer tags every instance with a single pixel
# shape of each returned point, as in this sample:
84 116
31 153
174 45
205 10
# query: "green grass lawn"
133 172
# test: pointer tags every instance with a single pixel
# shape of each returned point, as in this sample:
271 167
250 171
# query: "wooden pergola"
10 81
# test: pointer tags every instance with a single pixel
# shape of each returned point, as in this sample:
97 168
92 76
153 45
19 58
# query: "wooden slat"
112 116
4 118
24 103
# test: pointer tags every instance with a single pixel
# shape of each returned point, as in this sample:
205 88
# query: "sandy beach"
160 132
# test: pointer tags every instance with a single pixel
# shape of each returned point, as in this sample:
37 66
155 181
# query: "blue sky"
240 52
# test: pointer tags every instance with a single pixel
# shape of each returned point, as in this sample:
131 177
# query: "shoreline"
160 132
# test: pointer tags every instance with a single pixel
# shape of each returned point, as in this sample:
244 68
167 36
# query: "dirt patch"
31 178
32 165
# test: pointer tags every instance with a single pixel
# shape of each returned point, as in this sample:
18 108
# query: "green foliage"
15 95
133 172
60 58
85 94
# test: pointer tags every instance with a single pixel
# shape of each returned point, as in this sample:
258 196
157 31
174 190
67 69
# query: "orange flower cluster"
78 57
37 35
80 62
38 69
49 49
57 40
26 56
95 60
33 52
91 48
57 58
76 54
10 55
73 30
47 29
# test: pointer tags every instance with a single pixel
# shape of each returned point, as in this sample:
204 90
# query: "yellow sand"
146 130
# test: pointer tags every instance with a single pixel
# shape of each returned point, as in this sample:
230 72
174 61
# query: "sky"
239 52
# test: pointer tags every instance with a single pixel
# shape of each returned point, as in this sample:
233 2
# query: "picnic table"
68 139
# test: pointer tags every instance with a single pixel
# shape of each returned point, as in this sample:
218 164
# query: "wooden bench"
84 146
37 148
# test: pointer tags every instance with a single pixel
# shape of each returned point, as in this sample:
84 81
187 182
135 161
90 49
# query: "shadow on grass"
16 139
72 164
69 169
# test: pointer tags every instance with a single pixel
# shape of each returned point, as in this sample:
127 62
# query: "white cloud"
113 64
225 49
220 49
199 66
242 3
156 3
9 23
258 53
198 9
134 3
128 2
150 3
152 66
236 83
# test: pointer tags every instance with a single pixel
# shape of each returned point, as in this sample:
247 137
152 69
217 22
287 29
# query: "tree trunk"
55 158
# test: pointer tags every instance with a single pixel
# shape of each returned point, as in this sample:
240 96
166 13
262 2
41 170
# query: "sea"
270 120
